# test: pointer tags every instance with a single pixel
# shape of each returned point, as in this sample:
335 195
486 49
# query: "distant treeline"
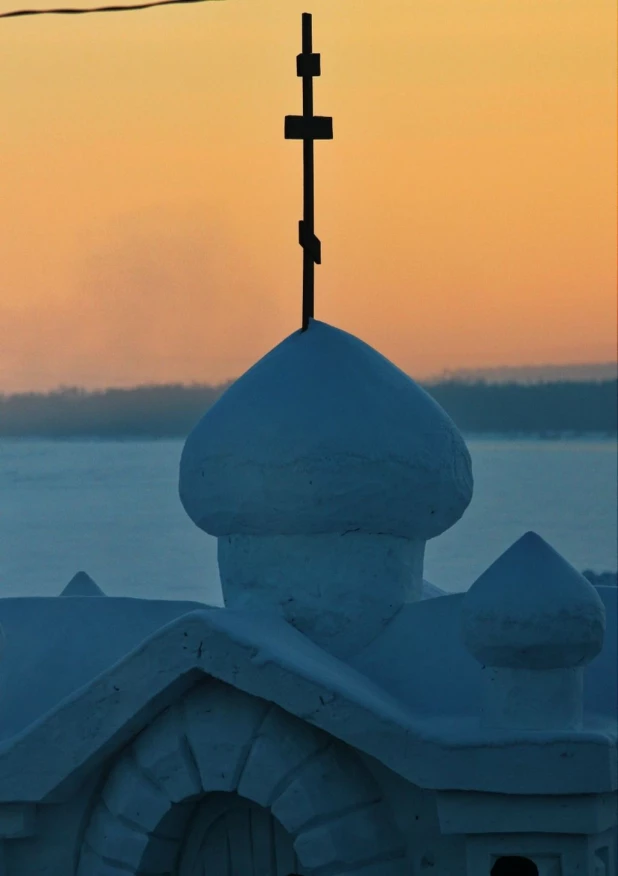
544 409
538 408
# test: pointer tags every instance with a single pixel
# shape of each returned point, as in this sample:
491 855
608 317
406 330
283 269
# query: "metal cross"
308 128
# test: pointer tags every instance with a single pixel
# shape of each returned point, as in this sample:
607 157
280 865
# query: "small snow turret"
323 471
81 584
533 622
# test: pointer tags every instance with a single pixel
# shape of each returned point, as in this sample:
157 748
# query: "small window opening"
514 865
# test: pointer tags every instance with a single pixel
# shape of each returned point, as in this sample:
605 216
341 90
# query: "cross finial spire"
308 128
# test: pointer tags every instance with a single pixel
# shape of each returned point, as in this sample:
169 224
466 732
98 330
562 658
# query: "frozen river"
112 509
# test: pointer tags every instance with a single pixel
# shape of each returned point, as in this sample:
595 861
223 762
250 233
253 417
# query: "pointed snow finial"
533 622
308 128
82 584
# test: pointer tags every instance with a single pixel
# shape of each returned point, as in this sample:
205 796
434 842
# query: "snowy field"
111 509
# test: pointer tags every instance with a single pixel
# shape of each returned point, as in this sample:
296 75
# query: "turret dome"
532 610
325 435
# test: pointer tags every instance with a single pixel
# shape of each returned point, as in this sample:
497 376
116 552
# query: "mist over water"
111 508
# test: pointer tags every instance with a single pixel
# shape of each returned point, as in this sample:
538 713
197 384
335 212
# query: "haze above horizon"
150 202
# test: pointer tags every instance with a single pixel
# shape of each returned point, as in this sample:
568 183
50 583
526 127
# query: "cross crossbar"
314 128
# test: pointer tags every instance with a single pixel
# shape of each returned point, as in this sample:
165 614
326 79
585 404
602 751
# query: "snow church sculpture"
338 715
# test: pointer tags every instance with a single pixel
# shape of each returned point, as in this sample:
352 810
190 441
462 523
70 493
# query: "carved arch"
218 739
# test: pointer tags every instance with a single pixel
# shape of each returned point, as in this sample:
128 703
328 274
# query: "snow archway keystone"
218 739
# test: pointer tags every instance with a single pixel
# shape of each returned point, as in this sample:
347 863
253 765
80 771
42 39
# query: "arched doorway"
221 765
231 836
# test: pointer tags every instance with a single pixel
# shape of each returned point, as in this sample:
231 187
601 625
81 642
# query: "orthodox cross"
308 128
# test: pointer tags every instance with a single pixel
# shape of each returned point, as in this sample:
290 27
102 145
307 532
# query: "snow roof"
265 657
55 646
51 647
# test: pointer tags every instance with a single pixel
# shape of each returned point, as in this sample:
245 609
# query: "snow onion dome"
533 622
323 471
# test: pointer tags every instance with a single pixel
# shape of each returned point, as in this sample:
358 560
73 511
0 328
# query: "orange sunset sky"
149 202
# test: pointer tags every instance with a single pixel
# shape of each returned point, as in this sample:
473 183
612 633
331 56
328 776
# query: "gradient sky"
149 202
